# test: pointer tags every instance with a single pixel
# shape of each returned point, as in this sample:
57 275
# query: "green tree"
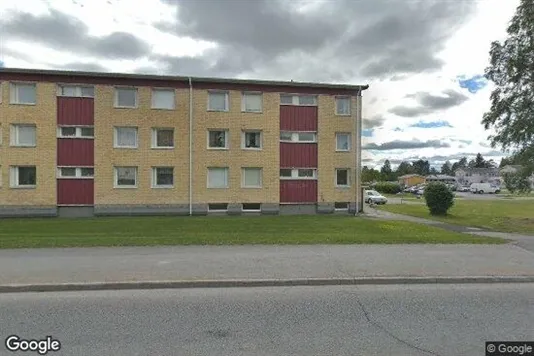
433 171
370 175
479 161
421 167
386 170
517 182
404 168
438 198
447 168
511 69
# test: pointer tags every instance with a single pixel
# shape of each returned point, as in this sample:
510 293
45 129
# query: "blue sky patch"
1 64
367 132
473 84
431 124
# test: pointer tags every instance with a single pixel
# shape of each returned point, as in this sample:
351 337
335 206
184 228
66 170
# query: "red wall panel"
298 191
75 152
75 191
298 118
298 155
75 111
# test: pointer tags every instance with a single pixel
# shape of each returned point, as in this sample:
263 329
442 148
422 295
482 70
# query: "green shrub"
439 198
387 187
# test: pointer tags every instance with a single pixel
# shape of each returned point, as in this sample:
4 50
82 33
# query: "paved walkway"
86 265
523 241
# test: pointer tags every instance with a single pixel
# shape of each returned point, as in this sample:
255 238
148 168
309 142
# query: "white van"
483 188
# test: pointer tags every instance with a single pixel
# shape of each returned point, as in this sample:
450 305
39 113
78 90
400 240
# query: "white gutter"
358 147
190 147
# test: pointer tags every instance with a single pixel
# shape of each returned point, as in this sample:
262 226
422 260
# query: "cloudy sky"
423 60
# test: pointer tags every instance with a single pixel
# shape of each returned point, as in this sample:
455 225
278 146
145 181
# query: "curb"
101 286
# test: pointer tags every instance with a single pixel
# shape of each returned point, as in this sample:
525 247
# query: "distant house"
468 176
443 178
409 180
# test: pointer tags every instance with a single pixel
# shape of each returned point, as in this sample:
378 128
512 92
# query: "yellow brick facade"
144 157
43 156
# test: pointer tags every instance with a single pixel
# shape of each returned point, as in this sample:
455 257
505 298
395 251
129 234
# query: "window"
163 99
218 139
298 173
251 102
302 100
304 137
217 207
343 105
85 91
217 177
162 138
23 135
341 206
217 101
251 207
23 93
342 142
23 177
75 172
125 137
76 132
125 177
162 177
125 97
252 140
342 177
251 178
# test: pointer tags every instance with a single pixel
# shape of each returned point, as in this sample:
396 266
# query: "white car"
482 188
372 196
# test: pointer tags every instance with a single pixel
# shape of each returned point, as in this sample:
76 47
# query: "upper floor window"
298 173
251 140
343 105
125 137
218 139
217 101
303 100
23 93
24 135
342 141
23 177
76 132
162 138
252 102
85 91
163 99
303 137
125 97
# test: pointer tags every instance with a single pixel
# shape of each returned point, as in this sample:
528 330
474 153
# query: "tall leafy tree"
447 168
479 161
386 170
511 69
421 167
404 168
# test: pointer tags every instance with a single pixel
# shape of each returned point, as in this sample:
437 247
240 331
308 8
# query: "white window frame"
155 138
244 140
116 178
226 100
250 210
244 101
155 178
295 137
14 177
116 98
226 178
349 138
343 97
348 178
152 106
295 174
226 139
296 99
217 210
78 89
243 178
341 209
15 135
115 137
77 134
77 174
14 94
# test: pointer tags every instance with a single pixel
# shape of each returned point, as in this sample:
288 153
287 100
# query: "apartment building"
84 144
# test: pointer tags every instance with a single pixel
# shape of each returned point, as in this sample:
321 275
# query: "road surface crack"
389 333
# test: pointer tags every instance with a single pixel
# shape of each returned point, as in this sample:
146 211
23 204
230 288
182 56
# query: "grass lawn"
149 231
499 215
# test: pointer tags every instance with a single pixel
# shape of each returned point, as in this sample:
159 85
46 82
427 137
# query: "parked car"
372 196
483 188
463 189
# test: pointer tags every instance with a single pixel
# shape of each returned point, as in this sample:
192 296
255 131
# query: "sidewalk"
256 263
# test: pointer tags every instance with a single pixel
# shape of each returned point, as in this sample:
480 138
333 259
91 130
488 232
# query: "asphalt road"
370 320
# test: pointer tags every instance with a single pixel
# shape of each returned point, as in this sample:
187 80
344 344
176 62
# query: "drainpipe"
358 148
190 147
